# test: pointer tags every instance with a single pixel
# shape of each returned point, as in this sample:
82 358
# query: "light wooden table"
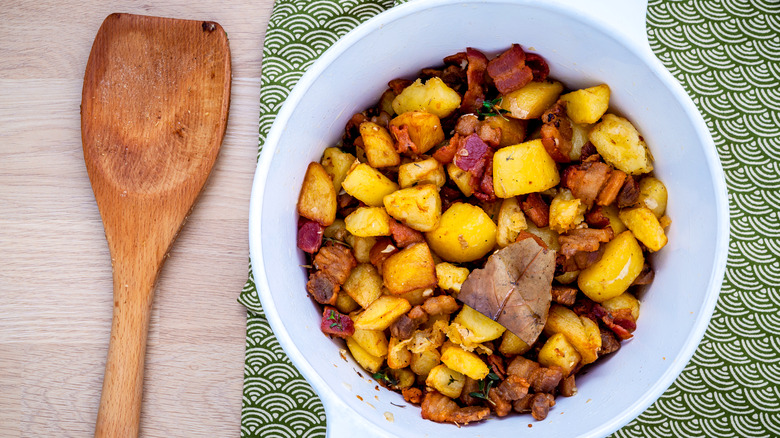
55 273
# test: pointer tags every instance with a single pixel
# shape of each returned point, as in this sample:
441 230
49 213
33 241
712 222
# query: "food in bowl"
478 235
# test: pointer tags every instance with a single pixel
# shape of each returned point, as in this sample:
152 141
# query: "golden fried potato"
379 146
433 97
368 185
445 380
566 212
580 331
450 277
368 361
424 129
588 104
557 351
618 268
428 171
532 100
481 328
465 233
620 144
653 195
337 163
409 269
464 362
523 168
645 226
373 341
417 207
382 313
461 178
368 222
512 130
511 221
317 200
364 284
512 345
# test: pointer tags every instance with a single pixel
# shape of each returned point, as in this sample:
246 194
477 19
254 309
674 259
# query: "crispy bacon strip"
536 209
586 180
475 75
596 218
442 409
412 395
594 311
513 387
629 193
500 404
446 154
403 143
485 191
611 188
406 324
403 235
540 406
509 71
557 132
609 343
336 324
584 239
538 66
398 85
381 251
352 128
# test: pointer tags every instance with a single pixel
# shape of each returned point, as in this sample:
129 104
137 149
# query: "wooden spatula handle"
120 403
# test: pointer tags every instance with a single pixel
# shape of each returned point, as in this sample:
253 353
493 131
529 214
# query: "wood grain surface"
55 271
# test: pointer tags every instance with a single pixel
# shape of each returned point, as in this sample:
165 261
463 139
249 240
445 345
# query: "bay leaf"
514 288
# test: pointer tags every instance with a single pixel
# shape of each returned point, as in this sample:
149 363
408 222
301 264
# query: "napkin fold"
726 54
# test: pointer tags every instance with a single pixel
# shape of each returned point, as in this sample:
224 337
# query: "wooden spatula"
153 114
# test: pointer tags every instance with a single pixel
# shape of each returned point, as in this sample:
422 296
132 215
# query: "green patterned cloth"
726 54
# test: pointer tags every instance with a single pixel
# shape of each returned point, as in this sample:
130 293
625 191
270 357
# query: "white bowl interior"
674 309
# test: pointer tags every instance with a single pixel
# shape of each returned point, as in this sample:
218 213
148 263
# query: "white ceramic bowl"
585 44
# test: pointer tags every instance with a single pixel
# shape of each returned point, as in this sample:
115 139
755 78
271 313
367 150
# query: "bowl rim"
653 65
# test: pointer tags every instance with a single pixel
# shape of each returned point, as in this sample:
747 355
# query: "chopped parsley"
490 108
333 316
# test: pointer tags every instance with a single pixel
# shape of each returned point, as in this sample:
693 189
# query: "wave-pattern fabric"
726 54
278 402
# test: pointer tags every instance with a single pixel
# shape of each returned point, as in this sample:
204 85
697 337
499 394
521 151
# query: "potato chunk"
464 362
368 185
512 345
645 226
512 130
428 171
582 332
368 361
337 163
481 328
368 222
418 207
465 233
445 380
620 144
450 277
532 100
423 362
424 129
557 351
653 195
409 269
373 341
364 284
523 168
613 274
461 178
317 200
433 97
511 221
566 212
379 146
398 355
587 105
361 246
382 313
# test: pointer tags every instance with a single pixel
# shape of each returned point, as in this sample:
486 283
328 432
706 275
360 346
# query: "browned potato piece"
450 277
368 222
620 144
523 168
364 284
379 146
512 130
445 380
424 129
398 355
465 233
373 341
428 171
512 345
317 200
461 178
532 100
645 226
382 313
368 185
422 363
580 331
418 207
368 361
409 269
337 164
511 221
464 362
557 351
587 105
434 97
